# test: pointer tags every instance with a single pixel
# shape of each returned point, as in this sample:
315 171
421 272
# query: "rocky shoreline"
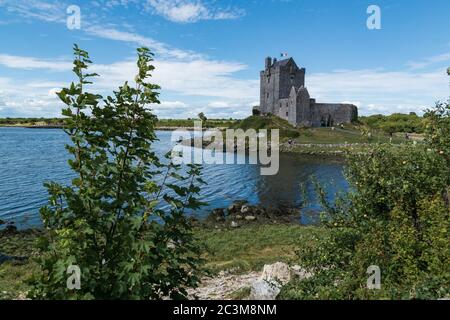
240 214
339 150
248 274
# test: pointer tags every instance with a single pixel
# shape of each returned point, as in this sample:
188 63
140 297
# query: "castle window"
287 113
267 95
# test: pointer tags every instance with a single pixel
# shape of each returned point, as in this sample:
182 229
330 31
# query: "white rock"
277 272
245 209
273 277
264 290
234 224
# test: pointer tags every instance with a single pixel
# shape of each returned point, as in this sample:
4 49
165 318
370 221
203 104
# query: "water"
28 157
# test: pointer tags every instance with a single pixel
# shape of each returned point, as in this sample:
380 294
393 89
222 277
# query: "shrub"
109 221
393 217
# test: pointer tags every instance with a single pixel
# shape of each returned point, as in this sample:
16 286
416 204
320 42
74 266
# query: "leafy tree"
396 122
109 222
395 216
437 128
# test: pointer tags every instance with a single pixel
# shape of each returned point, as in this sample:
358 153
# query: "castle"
283 93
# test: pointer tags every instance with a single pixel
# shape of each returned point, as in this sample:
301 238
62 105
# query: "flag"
283 54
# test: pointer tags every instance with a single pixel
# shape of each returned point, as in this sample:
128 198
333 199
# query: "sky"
208 53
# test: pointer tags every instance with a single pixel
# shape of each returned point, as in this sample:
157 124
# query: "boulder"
218 212
268 286
245 209
231 208
263 290
234 224
278 272
250 218
236 206
238 217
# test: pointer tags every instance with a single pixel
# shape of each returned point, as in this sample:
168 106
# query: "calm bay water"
28 157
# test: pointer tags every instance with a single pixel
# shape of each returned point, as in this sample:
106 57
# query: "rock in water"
218 212
245 209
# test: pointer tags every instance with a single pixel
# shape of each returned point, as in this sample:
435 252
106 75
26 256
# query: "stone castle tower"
283 93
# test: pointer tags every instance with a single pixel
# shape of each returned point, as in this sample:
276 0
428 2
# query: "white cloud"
188 11
214 88
193 83
54 11
28 63
167 105
158 47
204 78
25 99
180 11
379 91
195 80
218 104
429 61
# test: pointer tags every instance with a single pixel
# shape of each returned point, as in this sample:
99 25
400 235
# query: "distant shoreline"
162 128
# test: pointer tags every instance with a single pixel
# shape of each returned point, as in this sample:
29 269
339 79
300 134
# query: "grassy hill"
352 133
269 122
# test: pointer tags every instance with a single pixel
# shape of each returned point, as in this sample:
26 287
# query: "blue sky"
209 52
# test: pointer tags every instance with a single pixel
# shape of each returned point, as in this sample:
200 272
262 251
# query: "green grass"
244 249
240 294
259 122
340 136
250 248
189 123
267 122
13 275
349 134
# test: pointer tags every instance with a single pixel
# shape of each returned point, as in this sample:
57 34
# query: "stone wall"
335 113
290 76
269 90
